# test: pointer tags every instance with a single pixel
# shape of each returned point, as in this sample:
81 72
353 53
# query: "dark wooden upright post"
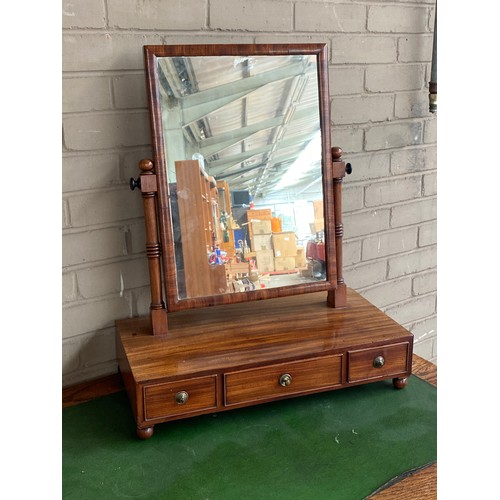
338 296
149 189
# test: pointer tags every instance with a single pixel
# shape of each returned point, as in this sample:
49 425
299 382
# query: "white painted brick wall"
380 56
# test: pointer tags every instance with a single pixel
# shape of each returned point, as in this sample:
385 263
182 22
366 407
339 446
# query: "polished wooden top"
230 336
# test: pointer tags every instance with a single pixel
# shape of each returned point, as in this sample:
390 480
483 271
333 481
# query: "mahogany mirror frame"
164 215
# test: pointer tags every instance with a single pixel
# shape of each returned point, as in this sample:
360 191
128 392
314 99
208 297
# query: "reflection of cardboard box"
261 227
262 242
285 244
265 261
259 214
300 258
317 225
318 209
284 263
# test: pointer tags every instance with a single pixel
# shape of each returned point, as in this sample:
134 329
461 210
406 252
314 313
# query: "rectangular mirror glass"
241 143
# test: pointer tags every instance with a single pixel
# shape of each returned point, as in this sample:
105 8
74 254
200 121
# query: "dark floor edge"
400 478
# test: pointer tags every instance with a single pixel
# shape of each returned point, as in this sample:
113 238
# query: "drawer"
377 362
282 379
179 397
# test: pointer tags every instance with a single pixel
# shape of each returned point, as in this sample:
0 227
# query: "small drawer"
377 362
279 380
179 397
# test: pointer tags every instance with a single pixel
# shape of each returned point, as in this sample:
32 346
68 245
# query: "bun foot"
400 383
145 433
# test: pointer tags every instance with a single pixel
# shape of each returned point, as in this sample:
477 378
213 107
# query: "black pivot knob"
135 183
348 169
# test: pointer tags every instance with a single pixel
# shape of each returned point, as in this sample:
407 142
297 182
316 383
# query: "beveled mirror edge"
151 53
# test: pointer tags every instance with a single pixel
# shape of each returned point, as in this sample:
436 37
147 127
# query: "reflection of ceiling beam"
218 166
196 106
214 144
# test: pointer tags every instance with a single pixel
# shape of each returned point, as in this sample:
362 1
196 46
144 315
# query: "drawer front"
377 362
179 397
279 380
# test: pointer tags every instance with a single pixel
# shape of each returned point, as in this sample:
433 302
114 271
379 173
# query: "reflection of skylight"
307 160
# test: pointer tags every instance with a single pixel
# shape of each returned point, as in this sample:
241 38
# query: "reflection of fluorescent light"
307 160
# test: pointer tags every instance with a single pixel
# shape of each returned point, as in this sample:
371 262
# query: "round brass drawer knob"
181 397
379 362
285 379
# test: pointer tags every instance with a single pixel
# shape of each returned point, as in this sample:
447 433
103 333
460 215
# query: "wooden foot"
145 433
400 383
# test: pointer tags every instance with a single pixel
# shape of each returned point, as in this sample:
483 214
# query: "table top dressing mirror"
243 171
242 202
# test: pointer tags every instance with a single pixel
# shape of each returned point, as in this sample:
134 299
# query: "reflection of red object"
315 251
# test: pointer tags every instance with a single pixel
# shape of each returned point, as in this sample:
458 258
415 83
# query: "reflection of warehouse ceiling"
250 117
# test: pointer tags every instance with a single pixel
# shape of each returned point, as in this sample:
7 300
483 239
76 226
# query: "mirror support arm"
338 297
148 186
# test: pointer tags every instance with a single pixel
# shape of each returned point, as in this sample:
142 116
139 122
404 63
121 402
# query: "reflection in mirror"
243 153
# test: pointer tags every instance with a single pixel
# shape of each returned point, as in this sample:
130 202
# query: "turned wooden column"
148 186
337 297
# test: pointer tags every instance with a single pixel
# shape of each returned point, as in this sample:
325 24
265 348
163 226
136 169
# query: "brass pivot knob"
181 397
285 379
378 362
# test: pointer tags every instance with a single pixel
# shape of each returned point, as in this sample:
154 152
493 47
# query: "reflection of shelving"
197 198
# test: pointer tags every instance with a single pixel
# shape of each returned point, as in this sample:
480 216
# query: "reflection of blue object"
239 235
218 259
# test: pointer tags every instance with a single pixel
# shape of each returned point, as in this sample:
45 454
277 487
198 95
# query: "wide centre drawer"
179 397
279 380
377 362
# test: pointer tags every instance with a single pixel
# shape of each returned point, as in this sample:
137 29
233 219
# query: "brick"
207 38
427 234
414 262
361 49
86 94
85 317
425 283
362 275
109 130
384 244
89 171
142 301
101 207
412 105
151 14
424 329
392 191
414 212
89 246
105 51
351 252
130 91
346 80
394 135
397 19
429 184
91 373
136 237
413 309
415 48
352 198
430 130
349 139
389 292
424 348
407 161
362 109
366 222
83 14
112 278
369 166
70 355
97 347
330 17
251 15
68 287
389 78
66 221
